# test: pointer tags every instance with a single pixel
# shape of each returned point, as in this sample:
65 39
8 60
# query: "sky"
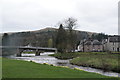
28 15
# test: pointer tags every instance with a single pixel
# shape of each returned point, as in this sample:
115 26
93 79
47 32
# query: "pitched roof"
96 42
114 38
88 43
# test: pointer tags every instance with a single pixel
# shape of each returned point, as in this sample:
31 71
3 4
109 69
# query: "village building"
112 43
90 46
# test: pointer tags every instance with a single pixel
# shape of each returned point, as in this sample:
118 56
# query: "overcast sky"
92 15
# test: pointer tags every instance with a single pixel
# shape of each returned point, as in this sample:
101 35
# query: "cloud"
92 15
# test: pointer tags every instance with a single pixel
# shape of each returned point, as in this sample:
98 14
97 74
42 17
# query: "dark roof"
96 42
114 39
88 43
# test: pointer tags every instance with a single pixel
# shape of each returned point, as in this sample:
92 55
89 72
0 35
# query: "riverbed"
44 58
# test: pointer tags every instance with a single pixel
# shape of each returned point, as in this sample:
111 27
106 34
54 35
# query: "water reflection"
44 58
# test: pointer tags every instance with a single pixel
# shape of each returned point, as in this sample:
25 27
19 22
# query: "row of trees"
66 36
99 36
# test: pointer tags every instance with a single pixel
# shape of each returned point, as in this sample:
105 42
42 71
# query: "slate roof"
114 39
96 42
88 43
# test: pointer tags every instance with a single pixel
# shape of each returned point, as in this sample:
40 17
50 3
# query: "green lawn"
0 67
24 69
28 52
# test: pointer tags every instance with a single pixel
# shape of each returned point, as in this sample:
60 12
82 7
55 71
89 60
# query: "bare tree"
70 25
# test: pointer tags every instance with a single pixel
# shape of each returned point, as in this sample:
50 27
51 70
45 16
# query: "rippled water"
44 58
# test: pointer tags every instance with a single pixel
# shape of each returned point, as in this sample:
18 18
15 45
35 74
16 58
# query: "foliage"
39 38
28 52
5 39
71 36
61 39
66 37
99 36
70 23
50 43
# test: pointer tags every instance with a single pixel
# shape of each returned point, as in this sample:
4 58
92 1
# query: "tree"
99 36
61 39
70 25
5 39
50 43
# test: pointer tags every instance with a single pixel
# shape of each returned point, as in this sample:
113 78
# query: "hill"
39 37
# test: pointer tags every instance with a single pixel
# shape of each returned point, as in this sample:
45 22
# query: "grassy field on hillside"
24 69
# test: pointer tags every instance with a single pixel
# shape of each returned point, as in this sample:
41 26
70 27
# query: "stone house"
97 46
112 43
90 46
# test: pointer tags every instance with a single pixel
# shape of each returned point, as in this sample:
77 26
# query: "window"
113 43
113 48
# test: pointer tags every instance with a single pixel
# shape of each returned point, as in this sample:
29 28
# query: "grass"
0 67
101 60
24 69
65 55
115 52
28 52
74 55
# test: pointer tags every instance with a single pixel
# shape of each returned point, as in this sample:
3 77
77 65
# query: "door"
118 49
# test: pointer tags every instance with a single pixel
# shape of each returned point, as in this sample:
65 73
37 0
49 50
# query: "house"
97 46
90 46
87 46
112 43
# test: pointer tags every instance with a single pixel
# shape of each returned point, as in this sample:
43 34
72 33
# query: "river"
44 58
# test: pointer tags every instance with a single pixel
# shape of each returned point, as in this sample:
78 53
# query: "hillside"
40 37
37 38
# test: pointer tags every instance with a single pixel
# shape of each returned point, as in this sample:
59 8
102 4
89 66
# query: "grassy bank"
101 60
28 52
24 69
74 55
65 55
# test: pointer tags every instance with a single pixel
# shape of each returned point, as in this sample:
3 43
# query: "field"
24 69
0 67
101 60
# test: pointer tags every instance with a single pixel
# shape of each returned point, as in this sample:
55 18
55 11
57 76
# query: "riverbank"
24 69
99 60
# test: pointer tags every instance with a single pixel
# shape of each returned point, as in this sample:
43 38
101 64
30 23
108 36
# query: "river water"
44 58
